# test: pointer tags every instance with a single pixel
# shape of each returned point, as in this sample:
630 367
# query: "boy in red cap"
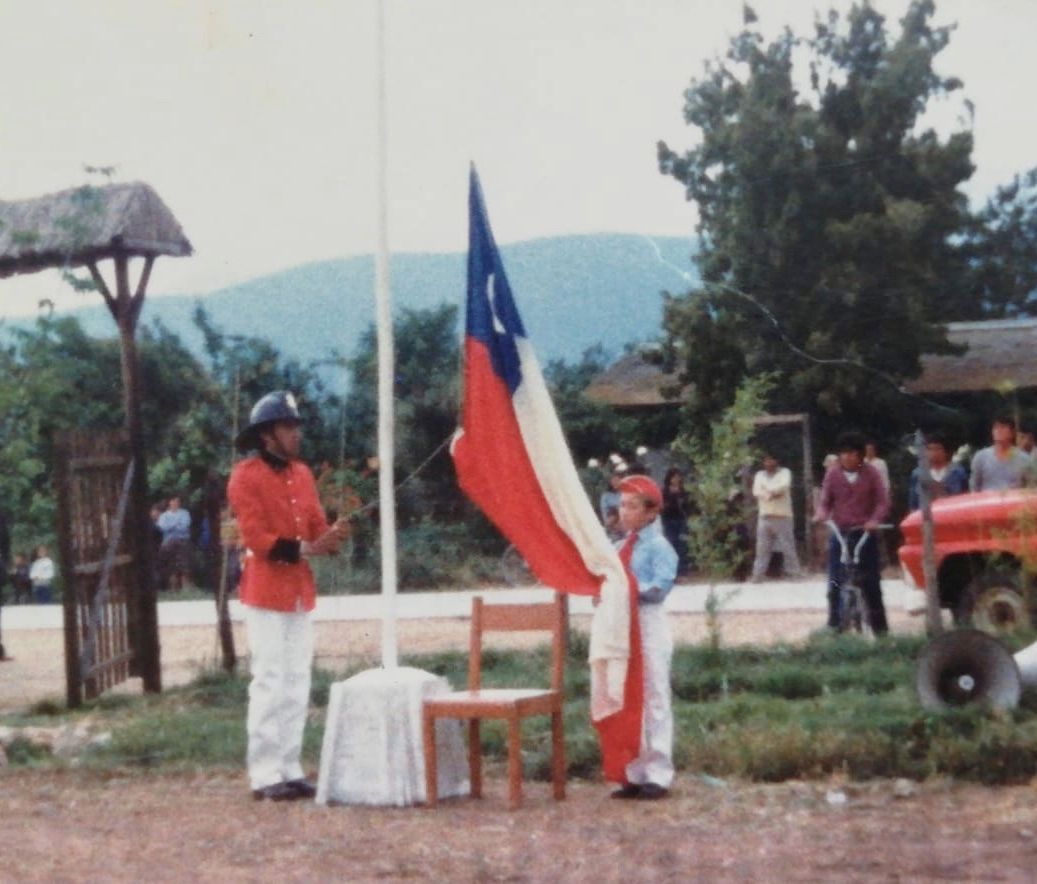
651 559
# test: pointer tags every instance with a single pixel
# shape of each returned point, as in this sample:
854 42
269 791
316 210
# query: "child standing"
42 576
652 560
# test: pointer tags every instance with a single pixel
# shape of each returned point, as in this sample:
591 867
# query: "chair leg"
515 761
428 733
558 755
474 758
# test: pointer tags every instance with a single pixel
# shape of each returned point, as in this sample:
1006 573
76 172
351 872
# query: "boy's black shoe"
652 792
627 792
302 788
276 792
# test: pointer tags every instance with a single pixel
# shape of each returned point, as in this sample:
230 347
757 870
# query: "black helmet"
273 407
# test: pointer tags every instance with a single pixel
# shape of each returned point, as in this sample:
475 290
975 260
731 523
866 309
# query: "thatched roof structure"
632 382
1000 353
85 225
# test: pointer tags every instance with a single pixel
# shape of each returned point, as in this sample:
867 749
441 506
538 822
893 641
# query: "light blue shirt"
653 562
175 525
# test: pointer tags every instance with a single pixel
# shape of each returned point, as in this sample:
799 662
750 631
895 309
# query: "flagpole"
383 319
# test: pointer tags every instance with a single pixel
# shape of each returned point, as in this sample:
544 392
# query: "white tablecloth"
372 751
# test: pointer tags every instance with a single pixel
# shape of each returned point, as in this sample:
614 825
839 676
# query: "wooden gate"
93 475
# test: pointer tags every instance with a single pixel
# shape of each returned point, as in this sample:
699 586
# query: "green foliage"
1002 246
836 705
829 212
433 554
719 460
426 401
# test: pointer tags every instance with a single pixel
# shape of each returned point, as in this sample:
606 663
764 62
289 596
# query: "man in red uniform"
281 523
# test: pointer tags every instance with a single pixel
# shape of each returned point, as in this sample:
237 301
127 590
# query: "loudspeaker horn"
967 667
1026 660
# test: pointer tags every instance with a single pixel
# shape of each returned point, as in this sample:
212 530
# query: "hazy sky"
255 119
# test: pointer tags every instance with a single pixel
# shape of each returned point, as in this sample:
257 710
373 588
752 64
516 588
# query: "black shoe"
652 792
302 789
276 792
627 792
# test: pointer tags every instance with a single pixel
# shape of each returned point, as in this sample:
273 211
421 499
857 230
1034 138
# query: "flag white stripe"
552 462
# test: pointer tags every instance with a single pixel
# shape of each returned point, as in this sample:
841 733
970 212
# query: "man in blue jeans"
854 496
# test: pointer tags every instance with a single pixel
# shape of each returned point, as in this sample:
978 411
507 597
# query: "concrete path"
777 595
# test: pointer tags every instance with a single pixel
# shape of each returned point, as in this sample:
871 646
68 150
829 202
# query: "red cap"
643 485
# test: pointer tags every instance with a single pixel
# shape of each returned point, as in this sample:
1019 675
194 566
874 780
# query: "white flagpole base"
373 751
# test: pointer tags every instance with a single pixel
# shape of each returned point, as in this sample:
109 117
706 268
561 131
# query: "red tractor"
986 557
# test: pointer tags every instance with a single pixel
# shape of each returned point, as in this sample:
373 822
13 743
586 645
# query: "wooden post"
808 492
125 308
69 598
933 620
223 624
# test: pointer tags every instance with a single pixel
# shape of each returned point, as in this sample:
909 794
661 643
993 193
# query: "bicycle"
853 607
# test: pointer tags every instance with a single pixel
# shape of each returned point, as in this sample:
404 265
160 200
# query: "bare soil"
76 825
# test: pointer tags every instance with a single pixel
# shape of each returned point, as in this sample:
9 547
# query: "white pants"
655 763
281 648
776 534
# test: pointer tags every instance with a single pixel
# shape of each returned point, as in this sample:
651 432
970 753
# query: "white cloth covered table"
372 751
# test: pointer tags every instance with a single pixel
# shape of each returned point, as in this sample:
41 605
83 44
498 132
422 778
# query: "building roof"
1001 353
631 382
84 224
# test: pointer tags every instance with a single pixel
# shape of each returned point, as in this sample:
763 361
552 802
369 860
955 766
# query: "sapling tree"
719 460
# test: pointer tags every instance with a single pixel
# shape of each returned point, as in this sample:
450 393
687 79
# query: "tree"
243 368
830 219
1002 247
714 537
426 403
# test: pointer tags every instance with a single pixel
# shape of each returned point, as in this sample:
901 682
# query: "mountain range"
572 292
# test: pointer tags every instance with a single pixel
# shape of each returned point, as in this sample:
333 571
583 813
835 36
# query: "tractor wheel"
994 603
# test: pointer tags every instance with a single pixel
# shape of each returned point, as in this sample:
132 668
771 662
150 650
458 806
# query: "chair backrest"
540 616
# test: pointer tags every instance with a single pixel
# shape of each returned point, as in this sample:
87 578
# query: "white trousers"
776 534
655 763
281 650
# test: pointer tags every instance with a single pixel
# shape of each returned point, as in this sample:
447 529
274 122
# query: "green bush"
430 555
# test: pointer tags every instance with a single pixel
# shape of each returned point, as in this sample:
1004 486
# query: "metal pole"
383 314
933 621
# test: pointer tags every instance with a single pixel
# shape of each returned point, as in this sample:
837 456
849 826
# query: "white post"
383 318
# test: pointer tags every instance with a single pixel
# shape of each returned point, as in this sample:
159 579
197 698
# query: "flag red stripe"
620 733
494 470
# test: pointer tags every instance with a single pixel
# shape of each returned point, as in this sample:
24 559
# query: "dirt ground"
75 825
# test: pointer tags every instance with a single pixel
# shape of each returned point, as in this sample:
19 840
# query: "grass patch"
836 705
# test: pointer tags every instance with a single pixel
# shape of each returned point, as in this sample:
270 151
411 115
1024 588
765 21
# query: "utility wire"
373 503
848 363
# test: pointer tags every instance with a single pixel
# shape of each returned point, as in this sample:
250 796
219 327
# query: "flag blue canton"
491 316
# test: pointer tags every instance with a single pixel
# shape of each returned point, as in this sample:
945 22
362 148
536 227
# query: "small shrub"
23 753
792 682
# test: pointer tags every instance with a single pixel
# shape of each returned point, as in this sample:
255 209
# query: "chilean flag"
512 460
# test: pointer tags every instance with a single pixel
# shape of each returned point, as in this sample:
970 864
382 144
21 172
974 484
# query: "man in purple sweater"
854 496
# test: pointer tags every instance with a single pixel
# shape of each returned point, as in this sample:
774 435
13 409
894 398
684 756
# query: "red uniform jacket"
276 508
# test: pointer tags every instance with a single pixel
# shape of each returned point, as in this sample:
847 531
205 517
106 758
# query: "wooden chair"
511 704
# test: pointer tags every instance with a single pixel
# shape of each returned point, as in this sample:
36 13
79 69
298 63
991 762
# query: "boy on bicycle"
853 495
